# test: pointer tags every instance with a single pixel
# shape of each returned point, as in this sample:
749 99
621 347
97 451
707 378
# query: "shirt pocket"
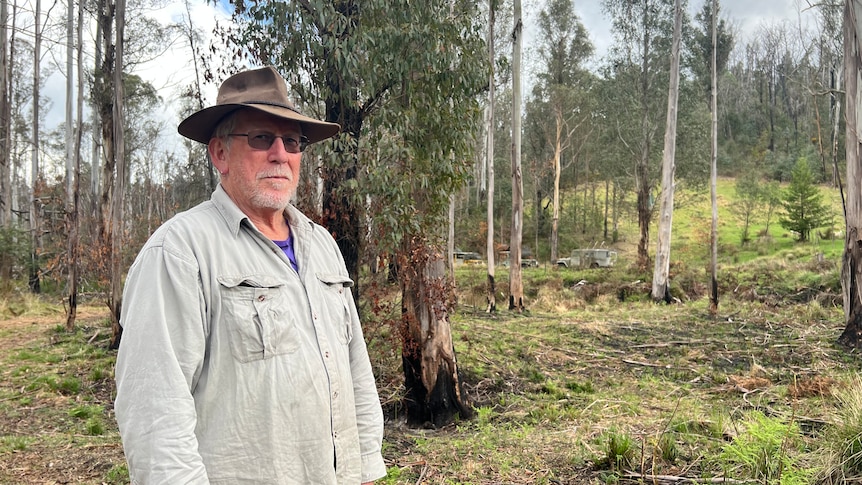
336 294
255 311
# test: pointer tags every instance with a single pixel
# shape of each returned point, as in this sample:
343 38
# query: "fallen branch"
677 479
645 364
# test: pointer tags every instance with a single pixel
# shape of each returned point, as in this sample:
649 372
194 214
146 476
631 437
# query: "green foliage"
766 450
14 250
117 475
841 443
619 449
804 209
747 199
14 443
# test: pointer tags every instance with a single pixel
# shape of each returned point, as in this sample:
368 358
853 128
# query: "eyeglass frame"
254 142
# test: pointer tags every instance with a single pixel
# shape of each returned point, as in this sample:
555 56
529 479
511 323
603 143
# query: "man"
242 359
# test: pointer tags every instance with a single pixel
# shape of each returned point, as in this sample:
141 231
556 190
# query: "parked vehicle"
589 258
527 260
467 257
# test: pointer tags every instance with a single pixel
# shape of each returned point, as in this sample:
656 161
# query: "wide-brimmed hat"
260 89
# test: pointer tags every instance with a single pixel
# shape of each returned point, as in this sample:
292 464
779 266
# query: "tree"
490 250
660 286
851 263
713 164
563 86
117 202
73 165
402 79
35 172
516 285
640 56
748 196
804 209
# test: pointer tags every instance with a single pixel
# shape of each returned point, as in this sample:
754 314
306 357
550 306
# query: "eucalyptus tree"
402 79
5 159
516 285
851 263
660 285
639 58
563 84
713 43
35 171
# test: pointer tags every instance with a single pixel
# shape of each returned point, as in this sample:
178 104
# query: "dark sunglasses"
263 140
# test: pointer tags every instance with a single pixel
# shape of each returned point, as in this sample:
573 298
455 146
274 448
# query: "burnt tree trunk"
434 392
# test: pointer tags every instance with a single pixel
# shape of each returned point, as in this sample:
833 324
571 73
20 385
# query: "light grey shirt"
234 368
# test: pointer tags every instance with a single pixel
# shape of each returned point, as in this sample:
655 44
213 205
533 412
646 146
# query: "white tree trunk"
660 287
489 165
713 167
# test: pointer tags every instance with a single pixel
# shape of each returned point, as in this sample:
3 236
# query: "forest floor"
573 391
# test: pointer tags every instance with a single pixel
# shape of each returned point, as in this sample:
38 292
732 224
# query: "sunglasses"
263 140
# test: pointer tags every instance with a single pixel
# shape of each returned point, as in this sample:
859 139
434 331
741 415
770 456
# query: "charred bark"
434 391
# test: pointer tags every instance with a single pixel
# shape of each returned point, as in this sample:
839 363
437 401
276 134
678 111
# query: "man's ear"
218 154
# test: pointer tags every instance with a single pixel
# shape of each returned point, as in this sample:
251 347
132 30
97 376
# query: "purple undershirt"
287 247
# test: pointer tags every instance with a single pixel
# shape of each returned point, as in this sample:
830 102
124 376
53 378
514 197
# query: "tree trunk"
434 392
490 250
644 186
5 153
340 214
713 168
71 211
35 176
660 285
851 268
104 98
516 285
555 219
116 301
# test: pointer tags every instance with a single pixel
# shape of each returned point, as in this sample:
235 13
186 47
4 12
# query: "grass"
594 383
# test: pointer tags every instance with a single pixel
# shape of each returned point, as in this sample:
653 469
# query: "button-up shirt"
235 368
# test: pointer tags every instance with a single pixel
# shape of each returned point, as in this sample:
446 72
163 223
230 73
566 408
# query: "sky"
745 15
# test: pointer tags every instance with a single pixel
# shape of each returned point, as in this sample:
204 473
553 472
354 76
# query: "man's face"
258 180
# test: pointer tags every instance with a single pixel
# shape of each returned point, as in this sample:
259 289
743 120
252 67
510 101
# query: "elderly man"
242 359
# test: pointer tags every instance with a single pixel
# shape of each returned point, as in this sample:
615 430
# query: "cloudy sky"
745 15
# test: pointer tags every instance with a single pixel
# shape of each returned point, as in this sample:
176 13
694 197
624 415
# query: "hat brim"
199 126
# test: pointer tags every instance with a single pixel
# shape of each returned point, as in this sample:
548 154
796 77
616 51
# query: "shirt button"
335 395
326 354
261 298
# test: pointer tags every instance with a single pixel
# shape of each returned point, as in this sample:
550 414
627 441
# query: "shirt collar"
234 217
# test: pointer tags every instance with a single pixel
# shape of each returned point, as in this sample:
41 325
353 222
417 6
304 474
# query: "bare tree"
5 157
516 285
35 175
116 299
489 160
660 287
72 171
713 165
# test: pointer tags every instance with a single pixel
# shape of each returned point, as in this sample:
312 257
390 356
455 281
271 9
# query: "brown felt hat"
259 89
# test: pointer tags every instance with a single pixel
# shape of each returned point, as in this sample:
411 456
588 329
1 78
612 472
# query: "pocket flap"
250 281
334 279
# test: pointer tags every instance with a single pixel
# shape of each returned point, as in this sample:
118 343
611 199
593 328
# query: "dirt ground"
39 442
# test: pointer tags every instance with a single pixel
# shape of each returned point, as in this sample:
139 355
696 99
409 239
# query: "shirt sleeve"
369 414
158 363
